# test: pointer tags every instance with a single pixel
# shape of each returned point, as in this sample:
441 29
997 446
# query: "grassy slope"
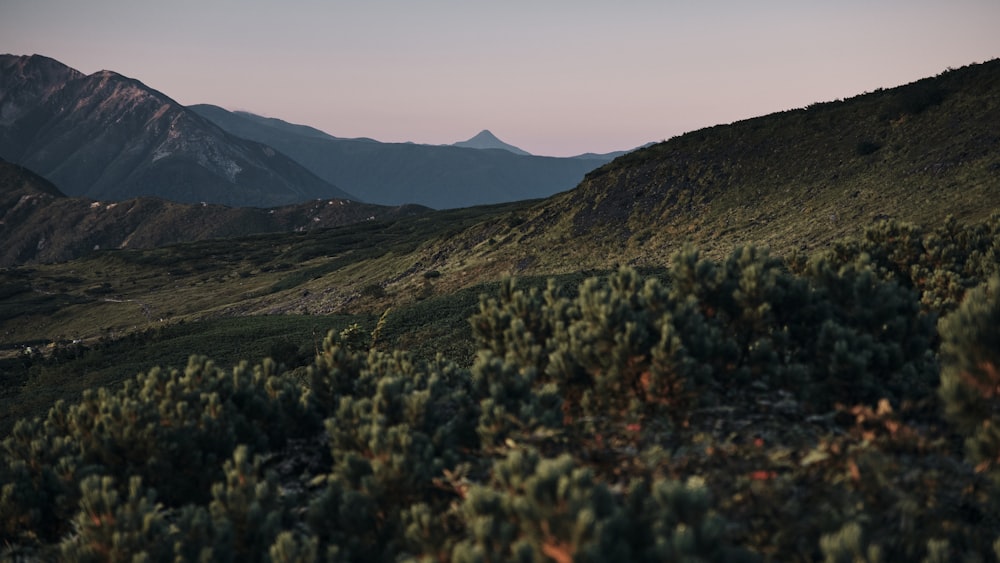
790 180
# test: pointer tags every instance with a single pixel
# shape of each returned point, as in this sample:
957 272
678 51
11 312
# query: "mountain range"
438 176
109 137
794 181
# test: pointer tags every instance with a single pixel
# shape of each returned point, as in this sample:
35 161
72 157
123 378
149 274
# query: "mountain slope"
394 173
39 224
487 140
108 137
791 180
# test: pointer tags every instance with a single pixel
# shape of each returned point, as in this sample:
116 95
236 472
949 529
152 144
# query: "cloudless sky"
554 77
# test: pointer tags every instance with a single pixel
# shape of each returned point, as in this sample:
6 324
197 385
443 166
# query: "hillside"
442 177
794 181
39 224
109 137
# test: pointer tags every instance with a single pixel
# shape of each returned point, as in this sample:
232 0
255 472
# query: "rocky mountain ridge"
109 137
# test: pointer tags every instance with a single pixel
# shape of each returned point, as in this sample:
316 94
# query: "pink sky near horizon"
552 77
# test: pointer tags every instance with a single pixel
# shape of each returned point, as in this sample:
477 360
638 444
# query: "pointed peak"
485 139
485 134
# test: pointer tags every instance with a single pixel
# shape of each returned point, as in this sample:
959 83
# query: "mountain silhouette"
110 137
437 176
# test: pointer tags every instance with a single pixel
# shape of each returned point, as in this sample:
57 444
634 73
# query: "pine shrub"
970 379
540 509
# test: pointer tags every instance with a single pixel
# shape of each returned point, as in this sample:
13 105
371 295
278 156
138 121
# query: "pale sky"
554 77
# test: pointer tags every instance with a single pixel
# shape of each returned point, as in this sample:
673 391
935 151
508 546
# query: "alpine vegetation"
840 406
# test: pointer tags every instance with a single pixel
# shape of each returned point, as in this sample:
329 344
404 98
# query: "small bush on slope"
970 380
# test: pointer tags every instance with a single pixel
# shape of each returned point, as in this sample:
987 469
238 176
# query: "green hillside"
792 180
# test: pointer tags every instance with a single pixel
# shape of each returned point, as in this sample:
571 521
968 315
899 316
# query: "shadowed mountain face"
108 137
441 177
40 224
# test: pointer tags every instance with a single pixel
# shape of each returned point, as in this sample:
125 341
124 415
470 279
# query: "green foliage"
111 528
71 368
536 509
729 410
247 520
373 290
872 341
970 379
913 99
172 429
513 403
848 546
632 351
247 511
396 425
941 263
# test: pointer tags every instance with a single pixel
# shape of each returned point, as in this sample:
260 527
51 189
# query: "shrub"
373 290
395 427
941 264
537 509
970 378
865 148
171 428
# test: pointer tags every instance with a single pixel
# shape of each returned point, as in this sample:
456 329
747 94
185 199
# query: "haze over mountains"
109 137
441 177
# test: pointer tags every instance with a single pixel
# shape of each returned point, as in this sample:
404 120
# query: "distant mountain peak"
485 136
485 139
